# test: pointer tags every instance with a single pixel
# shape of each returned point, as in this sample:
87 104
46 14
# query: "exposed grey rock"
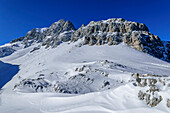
141 95
169 85
58 27
68 26
151 102
34 85
144 83
34 49
17 39
81 69
106 74
138 80
168 103
153 89
148 98
152 82
155 101
161 81
135 75
106 83
151 75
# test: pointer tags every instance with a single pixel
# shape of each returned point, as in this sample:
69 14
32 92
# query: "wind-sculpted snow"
97 76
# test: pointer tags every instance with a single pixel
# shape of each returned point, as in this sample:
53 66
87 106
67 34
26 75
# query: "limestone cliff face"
117 30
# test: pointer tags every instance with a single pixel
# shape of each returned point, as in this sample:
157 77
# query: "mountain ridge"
112 32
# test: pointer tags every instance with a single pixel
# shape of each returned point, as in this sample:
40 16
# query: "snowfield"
77 78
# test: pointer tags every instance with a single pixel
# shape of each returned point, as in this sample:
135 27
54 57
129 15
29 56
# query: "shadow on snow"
7 71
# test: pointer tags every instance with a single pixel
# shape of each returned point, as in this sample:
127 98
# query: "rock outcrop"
154 85
168 103
114 31
34 85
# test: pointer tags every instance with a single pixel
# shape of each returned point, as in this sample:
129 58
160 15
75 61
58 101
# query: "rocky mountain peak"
60 23
49 36
68 26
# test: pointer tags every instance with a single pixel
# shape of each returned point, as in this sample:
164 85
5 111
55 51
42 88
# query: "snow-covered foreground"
104 84
120 100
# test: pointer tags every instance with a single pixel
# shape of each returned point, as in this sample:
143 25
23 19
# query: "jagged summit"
66 25
121 24
49 36
112 32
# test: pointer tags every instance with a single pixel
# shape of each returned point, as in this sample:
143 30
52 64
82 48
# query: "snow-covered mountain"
111 65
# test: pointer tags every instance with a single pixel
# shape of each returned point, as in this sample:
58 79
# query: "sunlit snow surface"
66 58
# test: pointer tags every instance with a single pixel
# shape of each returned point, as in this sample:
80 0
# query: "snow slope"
108 67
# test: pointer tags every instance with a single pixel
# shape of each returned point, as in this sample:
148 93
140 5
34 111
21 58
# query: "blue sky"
17 17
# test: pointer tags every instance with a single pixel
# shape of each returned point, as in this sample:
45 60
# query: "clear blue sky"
17 17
